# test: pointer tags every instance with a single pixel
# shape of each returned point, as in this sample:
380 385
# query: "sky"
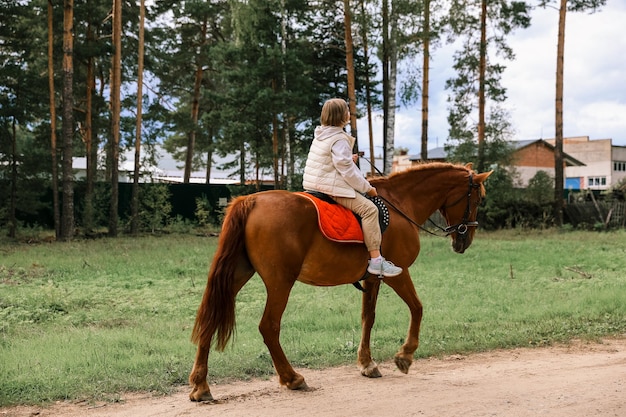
594 102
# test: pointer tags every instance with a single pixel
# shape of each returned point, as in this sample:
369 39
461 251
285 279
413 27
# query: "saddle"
340 224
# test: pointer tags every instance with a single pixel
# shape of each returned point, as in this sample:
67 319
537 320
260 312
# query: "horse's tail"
216 313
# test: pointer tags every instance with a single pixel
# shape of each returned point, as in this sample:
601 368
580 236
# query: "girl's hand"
372 192
355 157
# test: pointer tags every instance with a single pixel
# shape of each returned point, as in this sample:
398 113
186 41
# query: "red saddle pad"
336 222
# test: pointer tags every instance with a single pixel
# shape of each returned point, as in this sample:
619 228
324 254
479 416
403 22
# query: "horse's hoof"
297 383
301 387
371 371
403 364
200 395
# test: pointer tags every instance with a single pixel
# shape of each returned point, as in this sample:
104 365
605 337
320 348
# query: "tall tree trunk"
368 99
347 19
134 224
482 69
209 162
558 136
275 142
385 67
90 148
13 198
425 80
391 93
67 219
242 162
195 109
257 169
53 124
92 157
287 156
191 135
116 81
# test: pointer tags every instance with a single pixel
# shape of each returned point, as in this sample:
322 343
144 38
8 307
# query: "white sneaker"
383 268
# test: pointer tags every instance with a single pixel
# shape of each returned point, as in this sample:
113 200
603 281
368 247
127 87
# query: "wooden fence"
611 214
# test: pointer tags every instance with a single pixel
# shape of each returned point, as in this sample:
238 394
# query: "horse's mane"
432 165
425 166
424 169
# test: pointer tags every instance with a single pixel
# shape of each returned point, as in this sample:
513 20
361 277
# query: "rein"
413 222
460 228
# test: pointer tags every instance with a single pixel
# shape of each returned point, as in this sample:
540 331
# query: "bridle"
461 228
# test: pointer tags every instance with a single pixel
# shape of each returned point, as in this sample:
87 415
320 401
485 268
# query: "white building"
605 163
166 169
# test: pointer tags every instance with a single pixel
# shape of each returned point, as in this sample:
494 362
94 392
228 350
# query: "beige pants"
369 218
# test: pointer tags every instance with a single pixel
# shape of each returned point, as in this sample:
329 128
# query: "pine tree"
477 83
564 7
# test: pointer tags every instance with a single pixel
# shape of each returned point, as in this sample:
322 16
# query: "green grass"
91 319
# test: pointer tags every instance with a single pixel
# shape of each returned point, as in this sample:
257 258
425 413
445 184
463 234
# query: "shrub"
203 211
155 207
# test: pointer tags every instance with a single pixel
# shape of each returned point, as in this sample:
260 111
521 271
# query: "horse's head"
461 208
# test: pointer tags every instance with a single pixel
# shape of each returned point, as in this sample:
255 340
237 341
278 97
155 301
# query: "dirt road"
580 379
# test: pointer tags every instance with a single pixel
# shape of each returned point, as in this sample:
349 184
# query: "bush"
155 207
180 225
203 211
540 189
508 207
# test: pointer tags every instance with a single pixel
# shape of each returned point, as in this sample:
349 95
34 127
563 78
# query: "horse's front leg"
403 286
269 327
197 378
366 365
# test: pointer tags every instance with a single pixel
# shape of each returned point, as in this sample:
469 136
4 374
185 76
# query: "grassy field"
92 319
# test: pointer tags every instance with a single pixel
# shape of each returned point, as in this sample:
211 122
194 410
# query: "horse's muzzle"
460 242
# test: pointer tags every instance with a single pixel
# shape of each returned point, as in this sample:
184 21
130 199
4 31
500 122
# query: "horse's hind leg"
366 365
277 297
197 378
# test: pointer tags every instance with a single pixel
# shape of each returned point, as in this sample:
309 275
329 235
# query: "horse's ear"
480 178
469 165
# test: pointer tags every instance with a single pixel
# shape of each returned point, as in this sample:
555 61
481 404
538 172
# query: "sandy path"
577 380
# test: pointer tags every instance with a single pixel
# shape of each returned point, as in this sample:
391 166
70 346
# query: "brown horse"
276 234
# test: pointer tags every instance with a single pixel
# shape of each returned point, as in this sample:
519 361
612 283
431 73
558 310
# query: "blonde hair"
334 113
